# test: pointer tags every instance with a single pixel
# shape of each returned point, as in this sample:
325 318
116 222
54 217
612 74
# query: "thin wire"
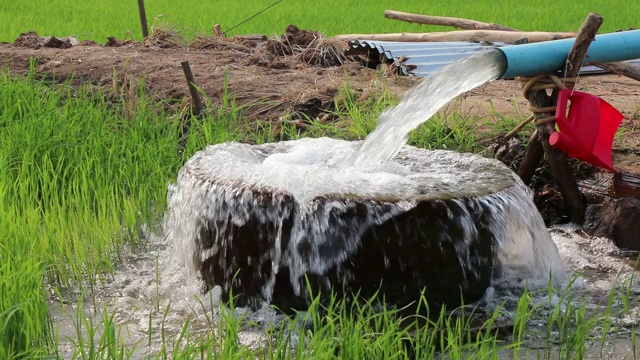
258 13
575 82
566 69
577 78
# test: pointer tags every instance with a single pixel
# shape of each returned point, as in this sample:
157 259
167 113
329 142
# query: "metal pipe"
550 56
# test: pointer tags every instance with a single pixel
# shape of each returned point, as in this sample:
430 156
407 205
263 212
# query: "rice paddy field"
120 18
83 187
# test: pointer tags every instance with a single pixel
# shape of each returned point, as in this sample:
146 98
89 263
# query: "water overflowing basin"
262 220
270 222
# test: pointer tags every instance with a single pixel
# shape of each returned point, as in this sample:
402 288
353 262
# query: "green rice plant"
358 117
77 180
523 311
98 20
360 114
353 327
633 342
103 340
451 133
502 124
24 323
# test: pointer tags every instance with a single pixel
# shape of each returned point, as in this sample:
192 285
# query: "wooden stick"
195 97
620 68
519 127
217 31
586 35
465 24
462 35
558 160
143 18
532 156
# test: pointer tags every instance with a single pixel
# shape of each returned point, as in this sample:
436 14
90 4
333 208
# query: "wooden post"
195 96
217 31
558 160
532 156
143 18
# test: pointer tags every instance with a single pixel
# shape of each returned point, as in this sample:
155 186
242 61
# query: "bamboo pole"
460 23
461 35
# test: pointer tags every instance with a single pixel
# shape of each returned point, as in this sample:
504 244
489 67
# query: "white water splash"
225 185
422 102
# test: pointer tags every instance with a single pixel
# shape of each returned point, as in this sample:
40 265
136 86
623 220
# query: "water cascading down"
265 222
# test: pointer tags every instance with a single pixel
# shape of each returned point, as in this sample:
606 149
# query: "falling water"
422 102
222 188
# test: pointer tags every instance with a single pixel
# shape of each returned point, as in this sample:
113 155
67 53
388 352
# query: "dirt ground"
279 76
271 82
266 78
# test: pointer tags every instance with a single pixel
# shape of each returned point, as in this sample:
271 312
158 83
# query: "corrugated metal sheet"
423 58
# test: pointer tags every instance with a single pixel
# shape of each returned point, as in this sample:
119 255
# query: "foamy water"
150 296
225 184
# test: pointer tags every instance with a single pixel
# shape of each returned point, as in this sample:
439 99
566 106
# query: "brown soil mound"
267 84
269 76
32 40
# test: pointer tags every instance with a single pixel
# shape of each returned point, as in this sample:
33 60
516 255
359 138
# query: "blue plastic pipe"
550 56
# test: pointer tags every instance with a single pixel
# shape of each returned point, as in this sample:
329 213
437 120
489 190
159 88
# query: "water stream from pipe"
425 100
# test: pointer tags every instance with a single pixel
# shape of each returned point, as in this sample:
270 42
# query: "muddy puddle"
152 293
